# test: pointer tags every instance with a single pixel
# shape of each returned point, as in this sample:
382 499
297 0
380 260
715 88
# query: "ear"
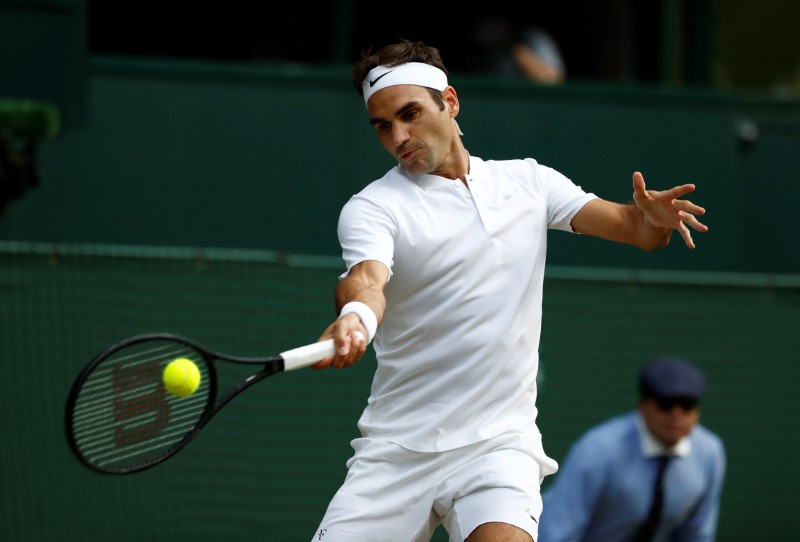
451 99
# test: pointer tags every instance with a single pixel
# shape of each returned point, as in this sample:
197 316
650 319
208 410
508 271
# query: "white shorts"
392 494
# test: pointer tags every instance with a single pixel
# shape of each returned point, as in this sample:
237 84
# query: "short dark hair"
395 54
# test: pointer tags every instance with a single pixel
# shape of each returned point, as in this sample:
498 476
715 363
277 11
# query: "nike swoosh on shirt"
372 83
509 194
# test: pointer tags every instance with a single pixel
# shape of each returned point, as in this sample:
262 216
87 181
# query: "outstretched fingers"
687 206
667 209
678 191
688 211
686 234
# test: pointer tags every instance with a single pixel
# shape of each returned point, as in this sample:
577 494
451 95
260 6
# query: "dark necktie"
648 528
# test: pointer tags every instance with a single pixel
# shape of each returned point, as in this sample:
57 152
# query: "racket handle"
307 355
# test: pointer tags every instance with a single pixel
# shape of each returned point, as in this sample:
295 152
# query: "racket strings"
123 416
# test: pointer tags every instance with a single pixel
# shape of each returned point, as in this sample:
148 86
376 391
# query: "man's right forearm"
364 284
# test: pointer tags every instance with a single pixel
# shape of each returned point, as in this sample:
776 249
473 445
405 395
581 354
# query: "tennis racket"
121 419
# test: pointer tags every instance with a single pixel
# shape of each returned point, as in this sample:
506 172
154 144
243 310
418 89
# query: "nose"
399 134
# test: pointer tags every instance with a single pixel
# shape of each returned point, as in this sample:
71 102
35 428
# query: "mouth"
676 428
405 156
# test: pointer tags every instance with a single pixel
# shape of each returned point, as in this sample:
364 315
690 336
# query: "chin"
672 439
416 171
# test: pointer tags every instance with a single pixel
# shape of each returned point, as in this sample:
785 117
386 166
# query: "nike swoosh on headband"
372 83
410 73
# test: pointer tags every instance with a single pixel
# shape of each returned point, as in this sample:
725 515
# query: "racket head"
121 419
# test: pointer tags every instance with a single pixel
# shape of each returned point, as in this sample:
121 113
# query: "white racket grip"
304 356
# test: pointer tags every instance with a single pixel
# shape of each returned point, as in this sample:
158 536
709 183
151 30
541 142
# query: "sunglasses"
668 403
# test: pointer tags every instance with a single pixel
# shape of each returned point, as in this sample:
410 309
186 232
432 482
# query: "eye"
382 127
411 114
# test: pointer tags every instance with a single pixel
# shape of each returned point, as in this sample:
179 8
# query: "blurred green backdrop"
266 466
201 196
181 153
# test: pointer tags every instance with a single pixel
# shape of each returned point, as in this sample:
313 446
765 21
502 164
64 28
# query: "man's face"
413 129
669 419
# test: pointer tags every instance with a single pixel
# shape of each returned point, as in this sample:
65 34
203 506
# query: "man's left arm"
648 222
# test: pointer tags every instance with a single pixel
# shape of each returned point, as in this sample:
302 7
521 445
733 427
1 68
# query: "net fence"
267 465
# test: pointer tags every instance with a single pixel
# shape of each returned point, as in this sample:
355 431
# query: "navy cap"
671 377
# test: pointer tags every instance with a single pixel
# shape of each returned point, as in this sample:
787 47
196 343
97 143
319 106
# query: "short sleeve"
366 232
564 197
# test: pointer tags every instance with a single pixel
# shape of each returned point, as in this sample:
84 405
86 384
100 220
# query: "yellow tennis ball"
181 377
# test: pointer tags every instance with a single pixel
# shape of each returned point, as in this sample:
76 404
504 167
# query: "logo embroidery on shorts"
321 533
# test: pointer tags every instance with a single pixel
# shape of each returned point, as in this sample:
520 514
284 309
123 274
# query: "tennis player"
445 259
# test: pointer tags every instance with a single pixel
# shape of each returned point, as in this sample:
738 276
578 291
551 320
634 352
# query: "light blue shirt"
603 487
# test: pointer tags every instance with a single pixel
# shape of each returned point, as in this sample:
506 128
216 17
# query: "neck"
457 164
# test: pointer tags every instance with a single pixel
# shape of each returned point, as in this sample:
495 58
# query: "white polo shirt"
458 346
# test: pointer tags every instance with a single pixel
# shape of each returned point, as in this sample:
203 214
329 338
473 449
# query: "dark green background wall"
264 156
158 153
266 466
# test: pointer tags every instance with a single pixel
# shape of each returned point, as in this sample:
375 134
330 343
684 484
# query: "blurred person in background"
648 475
517 50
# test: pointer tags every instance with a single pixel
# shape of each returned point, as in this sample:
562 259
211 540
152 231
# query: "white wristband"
368 318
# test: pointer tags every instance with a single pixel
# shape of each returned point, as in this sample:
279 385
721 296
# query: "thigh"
492 532
386 497
496 489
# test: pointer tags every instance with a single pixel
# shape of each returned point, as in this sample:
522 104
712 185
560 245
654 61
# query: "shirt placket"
480 198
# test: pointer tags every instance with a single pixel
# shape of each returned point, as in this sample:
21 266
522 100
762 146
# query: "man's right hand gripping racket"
120 416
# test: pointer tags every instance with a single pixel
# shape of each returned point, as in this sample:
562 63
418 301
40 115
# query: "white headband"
411 73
